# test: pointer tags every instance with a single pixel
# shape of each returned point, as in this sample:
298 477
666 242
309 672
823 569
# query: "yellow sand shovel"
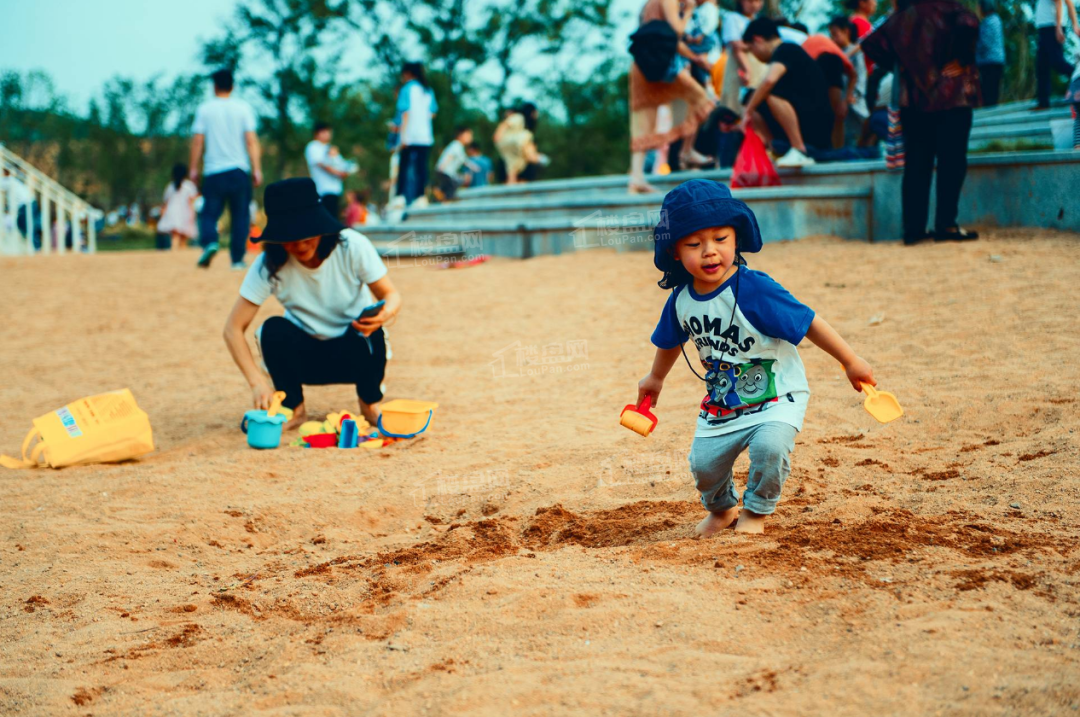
882 405
276 407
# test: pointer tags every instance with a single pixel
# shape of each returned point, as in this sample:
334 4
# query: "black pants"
332 202
990 79
295 357
929 135
1049 58
233 188
413 172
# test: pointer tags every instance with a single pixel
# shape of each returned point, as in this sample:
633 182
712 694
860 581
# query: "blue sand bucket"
263 431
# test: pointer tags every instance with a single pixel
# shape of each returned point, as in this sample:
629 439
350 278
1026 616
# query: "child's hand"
650 386
858 371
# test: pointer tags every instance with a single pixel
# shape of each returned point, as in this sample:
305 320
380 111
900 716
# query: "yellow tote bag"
106 428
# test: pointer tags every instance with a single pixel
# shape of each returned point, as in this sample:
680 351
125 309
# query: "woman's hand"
263 394
371 324
650 386
858 372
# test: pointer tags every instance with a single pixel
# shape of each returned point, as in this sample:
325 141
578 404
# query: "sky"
82 43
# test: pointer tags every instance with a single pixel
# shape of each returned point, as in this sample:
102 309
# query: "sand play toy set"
401 419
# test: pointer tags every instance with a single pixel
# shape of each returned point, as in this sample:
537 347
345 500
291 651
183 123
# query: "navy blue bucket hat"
699 204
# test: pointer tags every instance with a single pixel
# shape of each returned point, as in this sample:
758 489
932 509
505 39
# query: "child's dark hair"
416 70
320 126
223 80
844 23
179 174
461 129
275 256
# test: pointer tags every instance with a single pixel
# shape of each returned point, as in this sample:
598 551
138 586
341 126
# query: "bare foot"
299 416
642 187
713 523
371 413
752 523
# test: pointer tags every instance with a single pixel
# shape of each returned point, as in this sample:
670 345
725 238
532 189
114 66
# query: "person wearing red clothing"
861 12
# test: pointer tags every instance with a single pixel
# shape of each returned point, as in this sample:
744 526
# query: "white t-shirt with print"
753 371
224 121
323 301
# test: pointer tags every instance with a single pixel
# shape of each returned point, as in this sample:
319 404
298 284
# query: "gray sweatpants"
712 457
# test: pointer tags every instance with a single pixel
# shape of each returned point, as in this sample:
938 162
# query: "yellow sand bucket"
402 418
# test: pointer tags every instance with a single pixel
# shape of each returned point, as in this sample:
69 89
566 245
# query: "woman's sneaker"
794 158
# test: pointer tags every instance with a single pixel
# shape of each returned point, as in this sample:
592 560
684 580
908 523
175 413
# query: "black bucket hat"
294 212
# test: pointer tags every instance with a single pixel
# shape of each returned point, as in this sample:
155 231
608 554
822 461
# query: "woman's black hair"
179 174
416 70
275 256
529 111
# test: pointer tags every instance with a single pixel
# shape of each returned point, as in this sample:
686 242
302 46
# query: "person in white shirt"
1050 57
325 276
416 107
448 175
325 171
226 146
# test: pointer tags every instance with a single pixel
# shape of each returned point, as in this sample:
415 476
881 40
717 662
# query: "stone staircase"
851 200
37 214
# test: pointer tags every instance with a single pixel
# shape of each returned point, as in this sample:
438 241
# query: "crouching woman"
325 276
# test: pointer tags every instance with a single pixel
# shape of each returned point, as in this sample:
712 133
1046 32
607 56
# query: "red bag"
753 168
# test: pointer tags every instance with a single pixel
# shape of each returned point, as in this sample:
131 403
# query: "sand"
528 556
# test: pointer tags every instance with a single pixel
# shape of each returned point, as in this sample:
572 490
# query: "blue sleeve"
434 103
403 99
669 333
772 309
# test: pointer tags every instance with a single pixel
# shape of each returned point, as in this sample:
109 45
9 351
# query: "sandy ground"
528 556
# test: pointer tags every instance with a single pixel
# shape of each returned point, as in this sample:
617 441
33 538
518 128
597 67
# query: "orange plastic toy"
882 405
638 418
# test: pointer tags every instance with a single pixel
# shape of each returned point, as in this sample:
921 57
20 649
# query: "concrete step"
857 200
1008 125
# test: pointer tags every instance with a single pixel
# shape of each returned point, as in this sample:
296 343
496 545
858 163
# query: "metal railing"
36 212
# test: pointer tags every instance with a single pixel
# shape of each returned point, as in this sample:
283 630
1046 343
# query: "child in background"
479 173
448 176
701 35
861 12
843 33
178 216
990 53
355 210
745 327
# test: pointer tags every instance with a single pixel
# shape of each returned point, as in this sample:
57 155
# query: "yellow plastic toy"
106 428
402 418
882 405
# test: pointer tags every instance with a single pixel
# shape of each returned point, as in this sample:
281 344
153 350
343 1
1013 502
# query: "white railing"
48 211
